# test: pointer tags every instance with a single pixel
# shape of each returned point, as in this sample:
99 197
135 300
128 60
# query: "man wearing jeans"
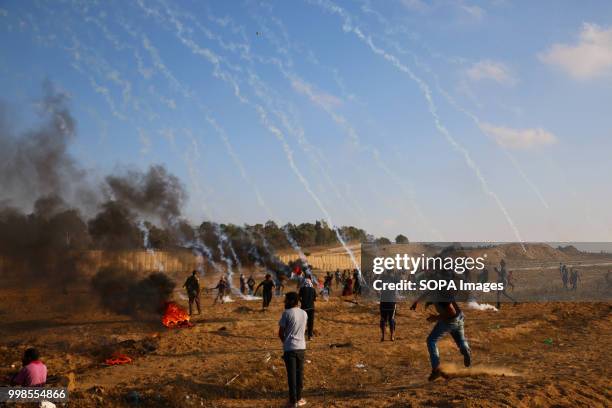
448 320
292 326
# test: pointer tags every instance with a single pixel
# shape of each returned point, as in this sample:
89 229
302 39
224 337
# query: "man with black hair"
450 319
388 300
574 278
327 283
251 285
268 285
292 326
221 287
502 278
33 373
564 275
192 285
243 284
356 282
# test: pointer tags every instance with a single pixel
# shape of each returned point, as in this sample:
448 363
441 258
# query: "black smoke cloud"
37 163
44 193
155 193
123 292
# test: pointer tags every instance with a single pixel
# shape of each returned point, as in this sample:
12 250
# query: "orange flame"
175 316
117 359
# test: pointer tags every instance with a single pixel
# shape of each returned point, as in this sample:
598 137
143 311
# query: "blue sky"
442 120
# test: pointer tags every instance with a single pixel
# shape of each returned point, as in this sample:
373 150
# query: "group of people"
569 276
297 320
223 288
348 280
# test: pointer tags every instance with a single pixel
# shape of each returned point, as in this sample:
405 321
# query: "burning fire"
117 359
175 316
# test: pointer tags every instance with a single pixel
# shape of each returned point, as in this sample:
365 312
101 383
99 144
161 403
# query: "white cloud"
590 57
471 11
519 138
491 70
324 99
416 5
475 12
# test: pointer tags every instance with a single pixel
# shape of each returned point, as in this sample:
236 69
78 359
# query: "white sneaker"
301 402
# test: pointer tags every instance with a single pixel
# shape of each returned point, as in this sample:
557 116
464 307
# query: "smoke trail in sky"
244 174
348 26
367 8
161 67
220 73
221 237
303 87
244 51
220 131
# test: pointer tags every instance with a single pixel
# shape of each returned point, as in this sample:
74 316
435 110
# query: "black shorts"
387 311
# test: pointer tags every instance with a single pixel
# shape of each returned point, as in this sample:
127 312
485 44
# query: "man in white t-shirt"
292 327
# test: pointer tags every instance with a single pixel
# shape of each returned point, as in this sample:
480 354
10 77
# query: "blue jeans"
455 328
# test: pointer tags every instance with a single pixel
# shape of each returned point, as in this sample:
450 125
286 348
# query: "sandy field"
529 355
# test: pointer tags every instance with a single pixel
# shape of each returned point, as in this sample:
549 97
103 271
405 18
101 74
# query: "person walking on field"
348 286
308 296
221 289
574 278
327 283
251 285
268 285
243 284
502 277
564 275
388 307
192 285
356 283
292 326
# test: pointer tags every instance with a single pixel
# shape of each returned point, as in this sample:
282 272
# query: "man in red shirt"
33 373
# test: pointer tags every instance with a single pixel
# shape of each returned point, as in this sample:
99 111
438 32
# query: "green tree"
401 239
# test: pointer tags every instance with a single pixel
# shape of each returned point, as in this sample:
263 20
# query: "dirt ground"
529 355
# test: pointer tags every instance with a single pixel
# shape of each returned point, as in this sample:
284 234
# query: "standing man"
282 278
268 285
292 326
388 300
192 285
308 296
251 285
243 284
564 275
221 289
356 283
502 277
327 283
574 278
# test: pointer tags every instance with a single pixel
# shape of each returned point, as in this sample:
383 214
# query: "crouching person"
292 327
449 319
34 371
